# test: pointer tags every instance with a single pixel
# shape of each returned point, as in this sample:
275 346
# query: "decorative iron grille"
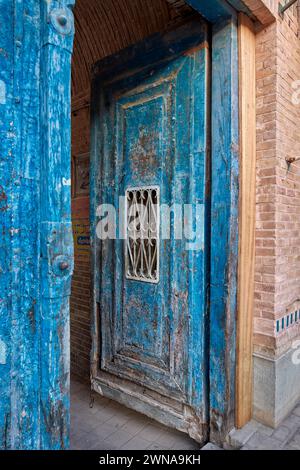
142 244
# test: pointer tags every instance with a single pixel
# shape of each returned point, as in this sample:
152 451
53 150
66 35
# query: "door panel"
149 142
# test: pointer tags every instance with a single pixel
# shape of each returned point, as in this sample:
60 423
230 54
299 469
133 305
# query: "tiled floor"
110 426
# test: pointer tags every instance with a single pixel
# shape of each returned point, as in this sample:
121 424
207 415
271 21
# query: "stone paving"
256 436
111 426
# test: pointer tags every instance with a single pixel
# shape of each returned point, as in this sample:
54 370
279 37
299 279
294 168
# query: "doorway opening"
104 28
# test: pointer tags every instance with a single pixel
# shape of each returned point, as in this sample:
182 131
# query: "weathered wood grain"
35 61
246 220
55 226
224 227
7 157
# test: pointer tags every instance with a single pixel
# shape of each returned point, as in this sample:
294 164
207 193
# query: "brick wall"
97 35
277 293
81 283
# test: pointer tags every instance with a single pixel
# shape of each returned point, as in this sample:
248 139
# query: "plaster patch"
2 352
2 92
66 182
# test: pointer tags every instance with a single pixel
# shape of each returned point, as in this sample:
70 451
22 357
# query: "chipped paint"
66 181
3 199
3 352
2 92
34 156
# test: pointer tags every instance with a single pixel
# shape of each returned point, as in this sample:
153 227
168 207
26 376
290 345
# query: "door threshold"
186 421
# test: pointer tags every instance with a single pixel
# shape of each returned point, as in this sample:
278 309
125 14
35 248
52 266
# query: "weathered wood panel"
6 163
55 223
101 28
35 198
24 432
224 223
19 109
246 220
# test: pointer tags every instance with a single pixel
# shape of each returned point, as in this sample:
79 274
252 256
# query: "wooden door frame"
35 70
224 214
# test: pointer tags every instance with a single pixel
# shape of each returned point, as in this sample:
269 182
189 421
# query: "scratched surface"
154 123
6 163
35 225
224 231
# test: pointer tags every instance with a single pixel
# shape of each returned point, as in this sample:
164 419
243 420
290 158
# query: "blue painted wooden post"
6 162
36 241
224 213
55 224
19 220
224 227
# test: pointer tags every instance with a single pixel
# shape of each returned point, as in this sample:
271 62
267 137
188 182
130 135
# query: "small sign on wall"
81 175
81 234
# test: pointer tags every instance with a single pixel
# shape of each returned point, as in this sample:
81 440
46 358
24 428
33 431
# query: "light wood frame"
247 119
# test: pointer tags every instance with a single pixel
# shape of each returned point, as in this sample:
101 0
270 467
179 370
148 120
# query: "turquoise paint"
224 226
224 214
6 165
35 155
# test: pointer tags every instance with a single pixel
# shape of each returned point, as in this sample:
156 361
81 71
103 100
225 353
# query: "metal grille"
142 244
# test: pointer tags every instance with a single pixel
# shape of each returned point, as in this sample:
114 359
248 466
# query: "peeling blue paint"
34 155
2 92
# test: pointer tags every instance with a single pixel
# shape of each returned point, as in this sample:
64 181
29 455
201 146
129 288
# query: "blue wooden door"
149 150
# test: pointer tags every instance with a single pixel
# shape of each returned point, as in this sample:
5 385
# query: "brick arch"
103 27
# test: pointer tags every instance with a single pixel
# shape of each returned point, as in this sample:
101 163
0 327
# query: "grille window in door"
142 244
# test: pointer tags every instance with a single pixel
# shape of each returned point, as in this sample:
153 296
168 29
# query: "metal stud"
62 20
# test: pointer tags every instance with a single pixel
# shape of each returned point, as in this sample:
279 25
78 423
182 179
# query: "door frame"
224 214
232 300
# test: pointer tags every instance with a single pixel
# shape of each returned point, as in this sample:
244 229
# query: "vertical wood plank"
224 227
19 218
55 223
24 432
6 164
246 220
